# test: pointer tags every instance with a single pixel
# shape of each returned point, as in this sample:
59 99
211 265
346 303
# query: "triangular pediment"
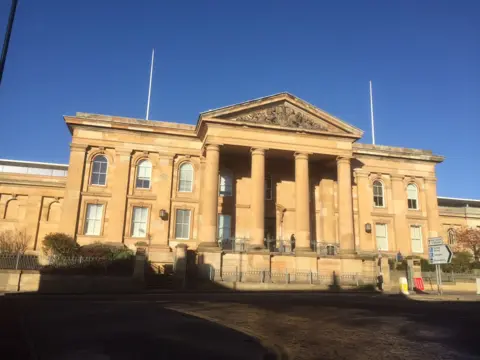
286 111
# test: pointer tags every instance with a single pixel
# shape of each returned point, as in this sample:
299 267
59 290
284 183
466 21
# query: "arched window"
412 194
452 236
226 181
144 174
99 170
378 200
186 178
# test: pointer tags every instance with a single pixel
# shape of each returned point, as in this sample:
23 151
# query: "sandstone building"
273 175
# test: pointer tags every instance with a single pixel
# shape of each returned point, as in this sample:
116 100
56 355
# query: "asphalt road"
238 326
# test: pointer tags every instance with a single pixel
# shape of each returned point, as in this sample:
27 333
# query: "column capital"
301 156
258 151
361 174
212 147
78 147
343 159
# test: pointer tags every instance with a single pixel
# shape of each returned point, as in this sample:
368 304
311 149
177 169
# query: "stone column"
257 207
302 206
73 188
365 202
327 214
345 206
118 202
209 200
32 217
432 207
399 199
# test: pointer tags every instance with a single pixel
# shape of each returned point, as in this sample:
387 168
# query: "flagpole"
371 114
150 85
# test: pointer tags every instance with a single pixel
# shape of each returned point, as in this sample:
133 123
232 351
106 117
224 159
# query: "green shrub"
461 262
105 251
60 244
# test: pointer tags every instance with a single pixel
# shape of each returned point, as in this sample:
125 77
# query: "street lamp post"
6 41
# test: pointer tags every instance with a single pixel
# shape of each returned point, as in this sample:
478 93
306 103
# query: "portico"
301 137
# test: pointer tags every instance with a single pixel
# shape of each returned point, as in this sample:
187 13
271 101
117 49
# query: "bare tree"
14 242
468 238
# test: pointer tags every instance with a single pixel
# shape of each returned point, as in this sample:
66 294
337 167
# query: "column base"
347 251
160 253
256 248
304 251
208 246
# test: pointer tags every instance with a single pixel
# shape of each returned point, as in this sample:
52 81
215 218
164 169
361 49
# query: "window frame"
185 163
420 232
132 221
137 175
224 227
381 197
386 235
189 223
92 171
452 236
226 174
86 219
417 207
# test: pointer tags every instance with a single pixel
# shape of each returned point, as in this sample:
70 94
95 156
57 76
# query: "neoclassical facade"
271 170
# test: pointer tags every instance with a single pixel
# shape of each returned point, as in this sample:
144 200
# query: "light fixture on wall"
163 214
368 228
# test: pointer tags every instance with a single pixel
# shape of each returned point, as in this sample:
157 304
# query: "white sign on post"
439 254
435 241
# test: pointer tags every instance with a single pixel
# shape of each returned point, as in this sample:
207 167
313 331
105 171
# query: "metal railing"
288 276
450 276
38 262
278 246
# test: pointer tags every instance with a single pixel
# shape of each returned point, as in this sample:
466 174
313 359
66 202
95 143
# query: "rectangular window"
381 237
377 194
182 224
93 219
225 185
224 227
139 221
416 236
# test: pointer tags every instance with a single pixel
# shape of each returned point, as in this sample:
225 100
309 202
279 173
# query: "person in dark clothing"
380 282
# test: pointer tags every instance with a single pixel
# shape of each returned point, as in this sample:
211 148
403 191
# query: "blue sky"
93 56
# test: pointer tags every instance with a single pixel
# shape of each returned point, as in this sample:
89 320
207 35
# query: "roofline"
458 199
240 103
310 108
32 163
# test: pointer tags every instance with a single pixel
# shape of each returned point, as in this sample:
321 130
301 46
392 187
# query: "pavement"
265 325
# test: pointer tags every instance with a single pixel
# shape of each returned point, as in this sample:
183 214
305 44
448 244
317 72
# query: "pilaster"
71 203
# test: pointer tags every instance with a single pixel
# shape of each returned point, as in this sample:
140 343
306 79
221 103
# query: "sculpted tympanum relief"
285 116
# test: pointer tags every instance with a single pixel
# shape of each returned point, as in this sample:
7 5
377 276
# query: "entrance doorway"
270 232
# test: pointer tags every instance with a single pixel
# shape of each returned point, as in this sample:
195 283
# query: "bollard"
403 285
311 277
